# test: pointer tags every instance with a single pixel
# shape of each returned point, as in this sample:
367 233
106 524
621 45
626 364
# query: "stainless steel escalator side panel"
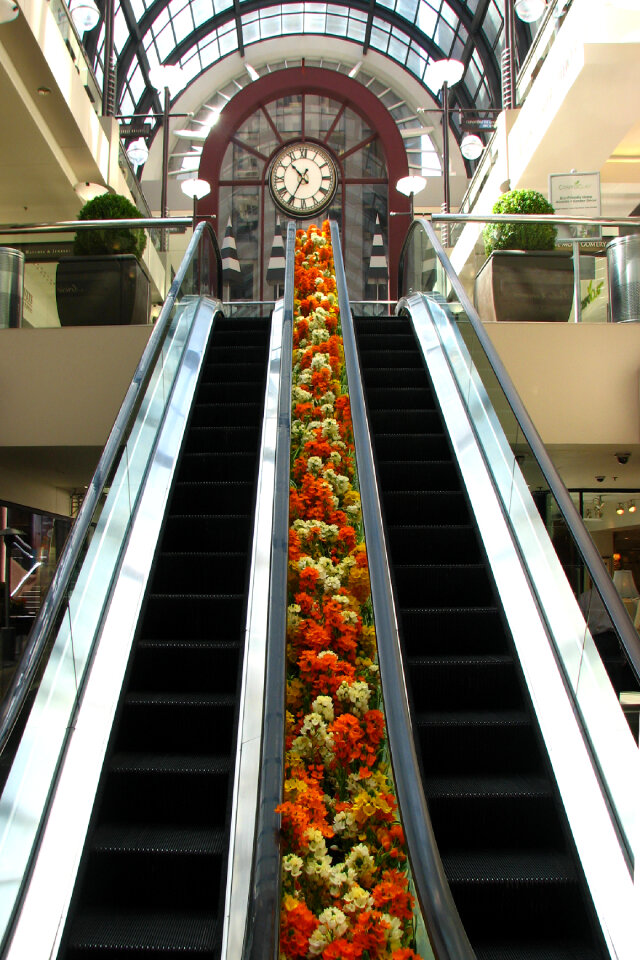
39 925
597 840
245 790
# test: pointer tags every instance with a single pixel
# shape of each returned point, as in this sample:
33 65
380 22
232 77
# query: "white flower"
357 899
355 694
333 919
323 706
292 864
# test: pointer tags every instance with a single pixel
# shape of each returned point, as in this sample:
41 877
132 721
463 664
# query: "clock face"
303 179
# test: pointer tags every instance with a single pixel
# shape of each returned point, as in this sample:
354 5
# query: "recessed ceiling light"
44 91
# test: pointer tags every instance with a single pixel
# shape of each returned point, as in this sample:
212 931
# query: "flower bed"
345 883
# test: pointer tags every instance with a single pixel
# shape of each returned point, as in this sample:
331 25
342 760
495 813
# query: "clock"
303 179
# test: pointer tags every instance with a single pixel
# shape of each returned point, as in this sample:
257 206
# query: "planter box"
102 291
525 285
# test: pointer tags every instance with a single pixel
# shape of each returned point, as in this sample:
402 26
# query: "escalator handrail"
604 585
444 926
261 936
55 598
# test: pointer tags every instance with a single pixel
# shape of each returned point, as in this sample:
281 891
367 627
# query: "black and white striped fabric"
230 263
275 269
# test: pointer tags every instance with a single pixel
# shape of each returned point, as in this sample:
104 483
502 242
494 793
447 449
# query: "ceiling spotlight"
85 15
253 73
138 152
471 146
530 10
619 509
195 188
9 10
632 506
355 70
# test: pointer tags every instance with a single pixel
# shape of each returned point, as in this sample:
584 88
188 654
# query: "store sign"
576 195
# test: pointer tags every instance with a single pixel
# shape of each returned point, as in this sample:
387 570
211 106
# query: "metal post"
508 58
445 160
7 632
577 295
109 77
165 164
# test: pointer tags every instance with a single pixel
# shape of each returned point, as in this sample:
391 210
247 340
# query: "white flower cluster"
355 696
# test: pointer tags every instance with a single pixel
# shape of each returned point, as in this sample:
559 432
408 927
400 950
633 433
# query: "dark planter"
525 285
101 291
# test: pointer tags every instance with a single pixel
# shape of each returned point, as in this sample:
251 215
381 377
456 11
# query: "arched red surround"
313 80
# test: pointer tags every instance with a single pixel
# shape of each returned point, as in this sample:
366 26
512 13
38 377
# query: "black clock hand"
304 177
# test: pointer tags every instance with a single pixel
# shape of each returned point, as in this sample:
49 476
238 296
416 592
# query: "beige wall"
60 391
579 382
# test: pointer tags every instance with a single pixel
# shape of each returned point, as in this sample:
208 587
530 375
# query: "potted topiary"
524 277
104 283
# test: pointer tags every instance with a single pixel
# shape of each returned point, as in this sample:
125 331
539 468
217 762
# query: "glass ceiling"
198 33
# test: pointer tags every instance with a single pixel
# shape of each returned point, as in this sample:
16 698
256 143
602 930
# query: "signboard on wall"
576 195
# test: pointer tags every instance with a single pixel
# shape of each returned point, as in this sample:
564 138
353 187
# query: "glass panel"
33 761
514 468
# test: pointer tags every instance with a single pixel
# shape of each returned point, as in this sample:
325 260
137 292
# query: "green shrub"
520 236
109 206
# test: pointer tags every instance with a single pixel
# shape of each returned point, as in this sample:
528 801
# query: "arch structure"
318 108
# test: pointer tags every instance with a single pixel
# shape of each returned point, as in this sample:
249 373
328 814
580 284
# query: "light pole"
440 75
163 78
409 186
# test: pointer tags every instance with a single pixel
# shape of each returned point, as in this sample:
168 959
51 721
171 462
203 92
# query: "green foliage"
520 236
592 294
109 206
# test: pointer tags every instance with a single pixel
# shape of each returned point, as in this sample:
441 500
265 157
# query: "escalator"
498 821
152 877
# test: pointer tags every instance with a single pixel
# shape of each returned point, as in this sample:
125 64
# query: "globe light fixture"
9 10
409 186
167 75
440 72
195 188
89 191
138 152
471 146
85 15
530 10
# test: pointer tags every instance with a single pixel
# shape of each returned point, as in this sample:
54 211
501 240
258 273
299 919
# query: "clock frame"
303 179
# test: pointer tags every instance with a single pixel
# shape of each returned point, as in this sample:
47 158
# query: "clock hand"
304 177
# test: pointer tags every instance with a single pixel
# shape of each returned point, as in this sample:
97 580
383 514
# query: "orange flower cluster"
345 877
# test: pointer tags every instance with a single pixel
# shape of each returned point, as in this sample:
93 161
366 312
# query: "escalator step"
109 934
374 339
251 391
237 354
545 867
203 572
423 447
391 358
193 723
185 665
211 531
216 466
417 421
230 414
386 325
459 742
453 584
396 378
193 616
243 372
452 630
404 397
472 682
232 496
449 543
222 438
407 507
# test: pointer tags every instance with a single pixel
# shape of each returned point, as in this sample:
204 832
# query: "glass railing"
593 269
576 594
38 713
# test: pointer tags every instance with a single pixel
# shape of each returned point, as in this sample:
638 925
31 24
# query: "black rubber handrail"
263 914
444 926
56 596
593 562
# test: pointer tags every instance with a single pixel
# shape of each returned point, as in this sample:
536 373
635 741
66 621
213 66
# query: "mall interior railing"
61 643
575 580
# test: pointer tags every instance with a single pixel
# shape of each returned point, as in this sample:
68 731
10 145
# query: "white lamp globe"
85 14
195 188
138 152
9 10
530 10
471 146
443 71
167 75
411 185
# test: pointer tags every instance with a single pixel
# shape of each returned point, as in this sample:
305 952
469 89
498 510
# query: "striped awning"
378 264
275 269
229 254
